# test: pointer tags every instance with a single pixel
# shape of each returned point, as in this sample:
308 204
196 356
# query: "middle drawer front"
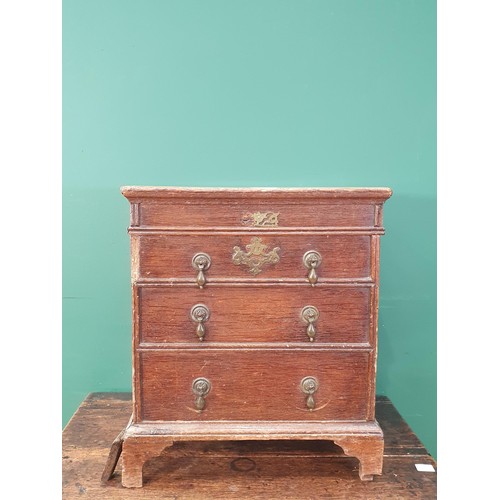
257 384
271 313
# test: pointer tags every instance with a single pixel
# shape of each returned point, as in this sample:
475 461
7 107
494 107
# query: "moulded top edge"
159 192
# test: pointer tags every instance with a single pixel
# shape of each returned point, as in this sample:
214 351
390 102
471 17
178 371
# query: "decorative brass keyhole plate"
256 256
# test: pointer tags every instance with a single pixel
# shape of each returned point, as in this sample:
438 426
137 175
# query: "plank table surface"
239 469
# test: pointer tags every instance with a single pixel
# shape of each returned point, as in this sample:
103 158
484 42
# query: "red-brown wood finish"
255 349
170 255
248 313
233 213
197 208
254 384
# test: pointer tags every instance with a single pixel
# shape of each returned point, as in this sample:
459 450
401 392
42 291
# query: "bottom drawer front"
257 384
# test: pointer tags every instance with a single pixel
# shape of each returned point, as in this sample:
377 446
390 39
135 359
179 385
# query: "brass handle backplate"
201 262
201 387
312 260
200 314
309 385
310 315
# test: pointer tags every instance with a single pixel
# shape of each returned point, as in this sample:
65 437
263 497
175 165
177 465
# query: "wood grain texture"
137 449
207 470
230 213
252 430
170 256
135 193
136 452
254 384
254 314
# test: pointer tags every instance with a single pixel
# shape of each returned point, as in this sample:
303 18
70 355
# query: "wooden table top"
244 469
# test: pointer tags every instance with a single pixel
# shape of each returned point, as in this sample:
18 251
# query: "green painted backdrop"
248 93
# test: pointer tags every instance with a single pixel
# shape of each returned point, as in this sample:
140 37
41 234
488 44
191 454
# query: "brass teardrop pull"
200 279
312 275
201 387
200 314
201 262
312 260
309 385
310 315
200 330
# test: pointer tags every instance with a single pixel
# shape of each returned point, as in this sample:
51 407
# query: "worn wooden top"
141 192
244 469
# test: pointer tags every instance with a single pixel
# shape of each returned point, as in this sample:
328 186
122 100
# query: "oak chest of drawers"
254 317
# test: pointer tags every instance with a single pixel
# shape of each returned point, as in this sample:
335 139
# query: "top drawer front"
164 256
256 214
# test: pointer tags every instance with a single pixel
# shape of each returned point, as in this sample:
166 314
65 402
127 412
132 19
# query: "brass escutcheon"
255 256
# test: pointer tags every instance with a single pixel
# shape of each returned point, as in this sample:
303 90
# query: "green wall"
248 93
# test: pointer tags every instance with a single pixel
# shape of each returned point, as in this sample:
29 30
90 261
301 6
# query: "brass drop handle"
312 260
310 315
200 314
201 387
201 262
309 385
